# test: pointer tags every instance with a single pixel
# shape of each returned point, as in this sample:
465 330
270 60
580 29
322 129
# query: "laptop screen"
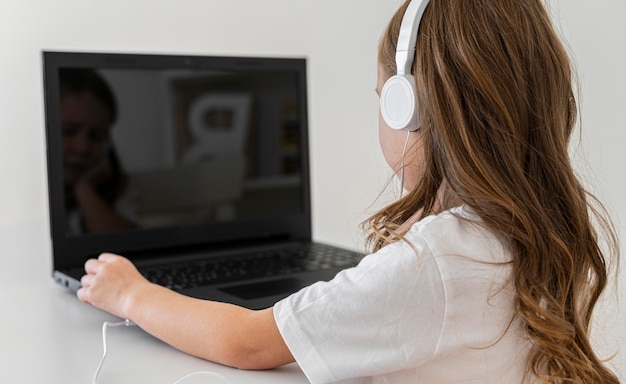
157 151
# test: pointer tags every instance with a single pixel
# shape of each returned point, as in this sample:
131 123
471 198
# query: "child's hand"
109 284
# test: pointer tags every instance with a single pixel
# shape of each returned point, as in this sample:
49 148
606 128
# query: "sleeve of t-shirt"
381 316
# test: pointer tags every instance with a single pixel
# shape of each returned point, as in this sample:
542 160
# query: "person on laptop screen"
96 193
485 270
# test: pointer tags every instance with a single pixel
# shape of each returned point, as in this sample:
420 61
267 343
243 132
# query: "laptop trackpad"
264 289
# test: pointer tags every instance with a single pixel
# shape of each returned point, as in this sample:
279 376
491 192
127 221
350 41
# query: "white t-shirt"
436 309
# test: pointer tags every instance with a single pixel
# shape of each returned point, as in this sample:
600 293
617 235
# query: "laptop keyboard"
195 273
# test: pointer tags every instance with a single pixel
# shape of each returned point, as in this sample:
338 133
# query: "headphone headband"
405 49
398 104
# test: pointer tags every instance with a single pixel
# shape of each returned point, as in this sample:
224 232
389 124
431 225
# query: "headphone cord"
406 142
129 323
105 325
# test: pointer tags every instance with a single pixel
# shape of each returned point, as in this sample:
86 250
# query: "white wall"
341 51
339 38
596 33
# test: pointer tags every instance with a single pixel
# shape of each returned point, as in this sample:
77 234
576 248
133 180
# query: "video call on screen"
170 148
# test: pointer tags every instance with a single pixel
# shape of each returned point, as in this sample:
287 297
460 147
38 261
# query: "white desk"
48 336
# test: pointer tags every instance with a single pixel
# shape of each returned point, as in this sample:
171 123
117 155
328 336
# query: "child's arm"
214 331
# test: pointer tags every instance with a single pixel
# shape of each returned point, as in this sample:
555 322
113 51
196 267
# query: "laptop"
196 168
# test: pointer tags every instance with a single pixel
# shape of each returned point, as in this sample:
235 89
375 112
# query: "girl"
487 270
97 196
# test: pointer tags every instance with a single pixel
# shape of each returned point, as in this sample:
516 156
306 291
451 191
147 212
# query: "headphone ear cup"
398 104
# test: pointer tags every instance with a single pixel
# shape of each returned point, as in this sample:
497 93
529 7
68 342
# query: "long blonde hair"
497 105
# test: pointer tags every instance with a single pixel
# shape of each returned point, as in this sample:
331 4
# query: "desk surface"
48 336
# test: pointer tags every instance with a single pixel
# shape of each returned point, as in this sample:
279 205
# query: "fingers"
86 280
92 268
94 265
106 274
83 295
108 257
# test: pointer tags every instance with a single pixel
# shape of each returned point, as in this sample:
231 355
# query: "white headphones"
398 99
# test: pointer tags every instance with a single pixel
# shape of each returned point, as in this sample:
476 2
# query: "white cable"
128 323
408 133
105 325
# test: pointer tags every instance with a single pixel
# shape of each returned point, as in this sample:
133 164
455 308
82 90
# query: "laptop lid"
161 152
